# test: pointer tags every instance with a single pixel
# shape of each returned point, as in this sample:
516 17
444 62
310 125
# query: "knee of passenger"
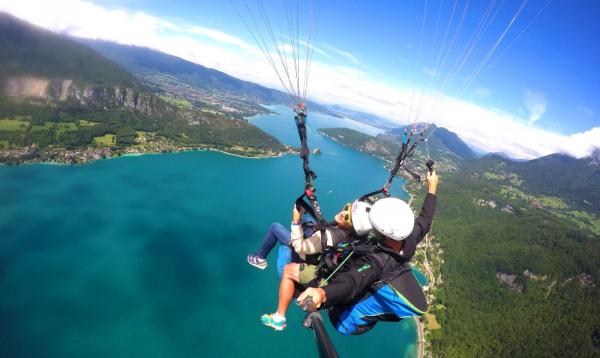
288 271
275 226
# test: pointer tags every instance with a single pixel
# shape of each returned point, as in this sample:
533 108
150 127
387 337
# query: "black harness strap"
309 176
406 150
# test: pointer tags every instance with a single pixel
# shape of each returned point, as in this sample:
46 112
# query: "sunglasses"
347 217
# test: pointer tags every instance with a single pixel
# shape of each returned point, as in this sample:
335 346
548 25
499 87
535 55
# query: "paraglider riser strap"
309 176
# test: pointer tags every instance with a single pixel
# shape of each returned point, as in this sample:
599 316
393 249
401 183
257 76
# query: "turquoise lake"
146 256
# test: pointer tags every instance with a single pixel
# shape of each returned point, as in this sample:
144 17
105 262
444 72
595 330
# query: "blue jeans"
277 233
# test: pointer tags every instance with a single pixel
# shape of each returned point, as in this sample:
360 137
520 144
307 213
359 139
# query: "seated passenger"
351 222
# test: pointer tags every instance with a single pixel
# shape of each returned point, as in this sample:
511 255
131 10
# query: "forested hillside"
517 250
517 279
61 101
563 176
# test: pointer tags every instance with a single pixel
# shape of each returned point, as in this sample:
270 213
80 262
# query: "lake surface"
146 256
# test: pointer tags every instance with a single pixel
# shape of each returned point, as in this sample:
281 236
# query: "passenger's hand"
316 294
296 215
432 181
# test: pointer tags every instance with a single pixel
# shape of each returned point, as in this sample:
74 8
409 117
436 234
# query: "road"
420 338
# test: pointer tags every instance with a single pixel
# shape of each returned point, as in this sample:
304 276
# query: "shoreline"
70 157
424 267
279 155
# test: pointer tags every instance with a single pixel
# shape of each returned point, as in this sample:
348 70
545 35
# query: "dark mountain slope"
60 97
439 140
30 50
144 61
559 175
150 65
442 145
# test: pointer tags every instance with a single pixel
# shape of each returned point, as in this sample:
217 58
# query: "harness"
409 145
333 258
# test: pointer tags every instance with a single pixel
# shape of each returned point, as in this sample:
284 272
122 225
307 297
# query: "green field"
492 176
3 143
582 219
141 134
179 102
59 128
548 202
65 127
84 123
106 140
514 179
45 127
13 125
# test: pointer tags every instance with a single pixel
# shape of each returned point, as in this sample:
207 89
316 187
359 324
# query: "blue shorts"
385 304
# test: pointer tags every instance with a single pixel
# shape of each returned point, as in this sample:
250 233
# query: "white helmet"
392 218
359 215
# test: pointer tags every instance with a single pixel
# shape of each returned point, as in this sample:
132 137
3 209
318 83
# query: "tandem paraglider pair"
358 266
373 281
379 285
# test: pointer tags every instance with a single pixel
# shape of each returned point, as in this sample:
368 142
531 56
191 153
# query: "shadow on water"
34 236
170 265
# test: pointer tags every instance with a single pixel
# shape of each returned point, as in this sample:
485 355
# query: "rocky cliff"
68 90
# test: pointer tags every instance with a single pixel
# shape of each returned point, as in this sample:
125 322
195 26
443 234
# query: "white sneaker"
256 261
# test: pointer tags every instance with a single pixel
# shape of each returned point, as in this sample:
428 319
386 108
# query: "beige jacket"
307 246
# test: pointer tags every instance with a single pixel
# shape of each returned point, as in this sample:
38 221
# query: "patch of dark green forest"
521 255
518 281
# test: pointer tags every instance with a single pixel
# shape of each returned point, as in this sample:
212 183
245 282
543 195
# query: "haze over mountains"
167 73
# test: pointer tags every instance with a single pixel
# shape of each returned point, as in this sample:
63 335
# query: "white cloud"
338 81
495 131
287 48
347 55
313 47
84 19
582 144
220 36
536 104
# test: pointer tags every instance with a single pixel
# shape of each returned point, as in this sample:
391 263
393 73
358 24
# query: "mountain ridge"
149 65
54 56
555 175
61 101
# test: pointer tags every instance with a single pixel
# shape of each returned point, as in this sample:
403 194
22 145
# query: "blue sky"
540 82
